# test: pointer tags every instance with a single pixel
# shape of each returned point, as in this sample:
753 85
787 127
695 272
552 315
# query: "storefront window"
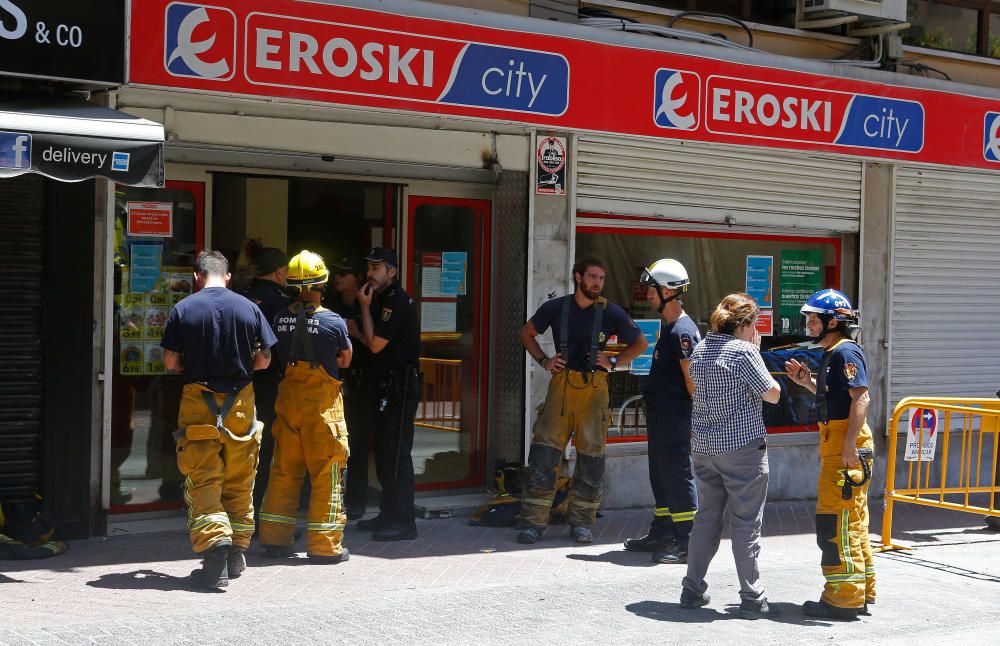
779 272
939 25
157 234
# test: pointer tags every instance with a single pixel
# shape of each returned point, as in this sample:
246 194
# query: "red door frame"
481 325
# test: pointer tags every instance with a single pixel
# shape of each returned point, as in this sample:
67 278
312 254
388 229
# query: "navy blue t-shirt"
216 330
327 330
614 321
362 355
268 295
676 343
846 370
395 319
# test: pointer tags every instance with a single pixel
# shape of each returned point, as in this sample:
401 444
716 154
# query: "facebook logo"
15 150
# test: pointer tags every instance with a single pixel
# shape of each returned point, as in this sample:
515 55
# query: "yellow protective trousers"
309 434
219 467
842 525
577 404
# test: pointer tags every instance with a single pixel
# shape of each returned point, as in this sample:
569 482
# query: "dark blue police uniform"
358 408
395 375
668 431
271 298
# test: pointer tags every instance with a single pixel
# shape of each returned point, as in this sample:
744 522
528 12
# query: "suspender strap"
822 401
220 413
595 334
302 344
563 348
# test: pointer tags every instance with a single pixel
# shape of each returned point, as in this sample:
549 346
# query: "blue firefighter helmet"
831 304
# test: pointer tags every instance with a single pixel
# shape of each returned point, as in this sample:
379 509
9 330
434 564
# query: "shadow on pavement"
7 579
142 580
617 557
791 613
911 559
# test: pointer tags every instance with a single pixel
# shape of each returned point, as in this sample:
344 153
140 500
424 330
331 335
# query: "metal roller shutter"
945 275
21 257
694 181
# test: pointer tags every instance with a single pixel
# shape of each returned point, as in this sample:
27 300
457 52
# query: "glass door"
450 250
158 233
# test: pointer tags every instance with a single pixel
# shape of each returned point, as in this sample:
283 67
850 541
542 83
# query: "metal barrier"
441 400
927 477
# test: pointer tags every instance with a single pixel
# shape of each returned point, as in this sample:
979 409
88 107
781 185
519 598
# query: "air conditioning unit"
865 10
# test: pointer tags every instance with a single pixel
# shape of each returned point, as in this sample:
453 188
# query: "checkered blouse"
729 379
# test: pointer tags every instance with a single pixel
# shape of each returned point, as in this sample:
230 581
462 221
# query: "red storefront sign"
350 56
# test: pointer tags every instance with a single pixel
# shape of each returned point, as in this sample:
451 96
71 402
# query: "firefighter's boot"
214 572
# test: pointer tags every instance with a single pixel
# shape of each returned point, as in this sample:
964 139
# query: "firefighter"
390 329
310 434
846 457
577 400
267 291
217 338
667 393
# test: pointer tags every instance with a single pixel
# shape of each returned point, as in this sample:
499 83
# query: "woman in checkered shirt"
729 451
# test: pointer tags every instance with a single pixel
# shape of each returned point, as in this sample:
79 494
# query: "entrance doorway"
448 244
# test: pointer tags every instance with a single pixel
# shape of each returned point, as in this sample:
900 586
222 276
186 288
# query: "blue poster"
453 273
760 278
144 268
651 330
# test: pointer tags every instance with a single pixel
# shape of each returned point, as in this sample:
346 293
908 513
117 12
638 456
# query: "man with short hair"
577 400
349 274
267 291
391 331
217 338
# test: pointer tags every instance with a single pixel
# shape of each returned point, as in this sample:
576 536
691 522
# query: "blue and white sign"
991 137
878 122
522 80
676 99
120 162
650 329
15 150
213 55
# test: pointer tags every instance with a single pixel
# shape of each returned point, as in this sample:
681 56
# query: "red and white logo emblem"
200 41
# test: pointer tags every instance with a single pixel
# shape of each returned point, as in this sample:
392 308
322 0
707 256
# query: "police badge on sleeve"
386 314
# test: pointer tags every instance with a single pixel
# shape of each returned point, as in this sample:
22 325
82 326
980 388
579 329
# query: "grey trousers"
734 486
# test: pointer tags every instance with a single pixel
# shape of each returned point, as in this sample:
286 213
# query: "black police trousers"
358 408
265 389
393 427
668 429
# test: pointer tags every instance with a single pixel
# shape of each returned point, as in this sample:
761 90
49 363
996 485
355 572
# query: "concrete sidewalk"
467 585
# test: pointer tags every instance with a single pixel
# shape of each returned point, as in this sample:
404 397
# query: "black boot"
823 610
647 543
374 524
214 572
236 562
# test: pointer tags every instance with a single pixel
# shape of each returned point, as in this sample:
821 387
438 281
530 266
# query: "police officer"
846 452
310 433
349 274
391 331
577 400
667 394
267 291
217 338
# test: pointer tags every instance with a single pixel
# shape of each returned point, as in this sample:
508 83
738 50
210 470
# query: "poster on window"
650 329
144 268
430 274
150 219
765 323
550 156
438 316
760 279
800 275
454 269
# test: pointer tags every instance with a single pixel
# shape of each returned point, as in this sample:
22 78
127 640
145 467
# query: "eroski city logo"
676 99
991 137
200 41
